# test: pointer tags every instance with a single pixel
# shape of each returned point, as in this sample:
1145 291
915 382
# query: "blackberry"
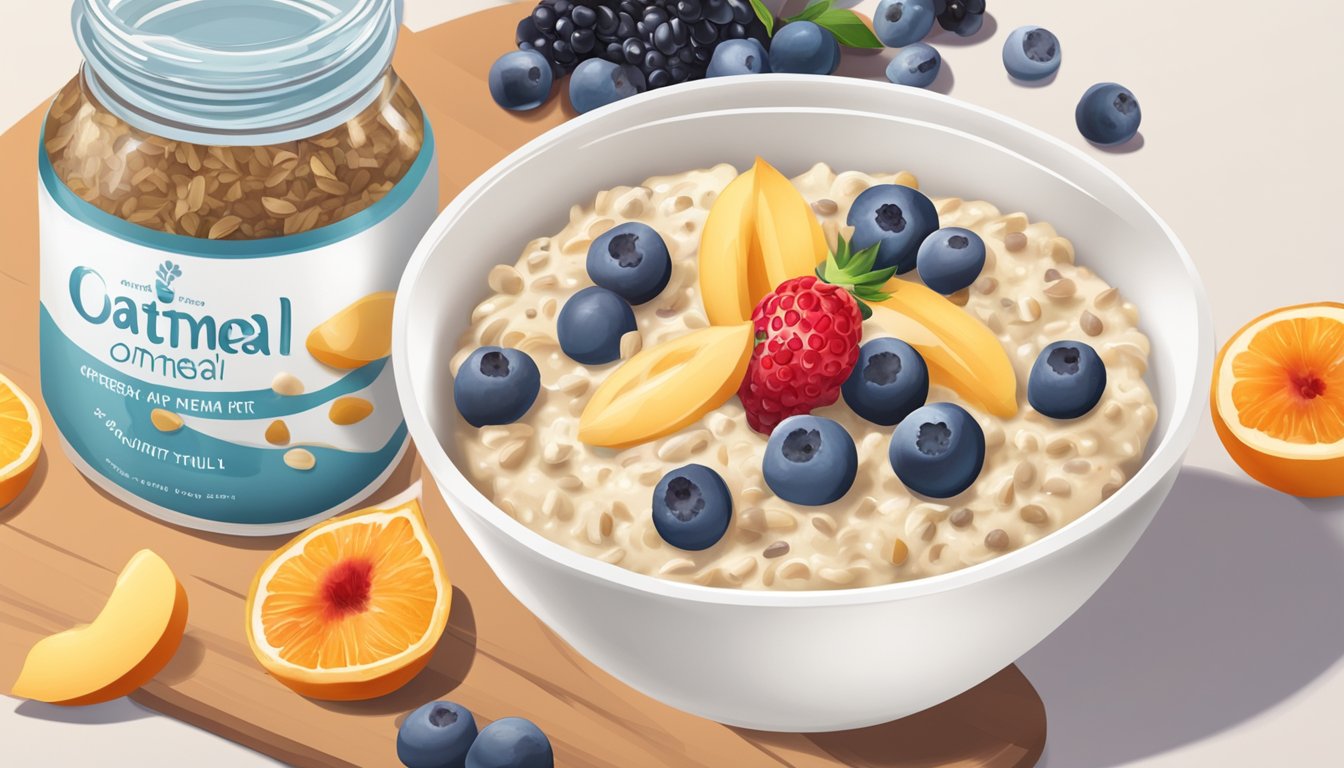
668 41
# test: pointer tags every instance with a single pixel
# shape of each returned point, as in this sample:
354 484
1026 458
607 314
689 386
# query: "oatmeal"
1038 474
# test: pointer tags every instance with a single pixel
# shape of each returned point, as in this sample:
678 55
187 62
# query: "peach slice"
131 640
357 335
1278 399
664 388
759 233
961 352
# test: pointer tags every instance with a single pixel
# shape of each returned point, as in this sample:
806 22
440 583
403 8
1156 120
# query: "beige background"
1218 642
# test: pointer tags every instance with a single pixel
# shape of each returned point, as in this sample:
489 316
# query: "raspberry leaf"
811 12
854 272
848 28
767 18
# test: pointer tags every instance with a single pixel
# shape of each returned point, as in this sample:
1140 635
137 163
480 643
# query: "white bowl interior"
795 122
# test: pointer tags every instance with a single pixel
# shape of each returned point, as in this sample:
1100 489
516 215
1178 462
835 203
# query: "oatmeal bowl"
797 403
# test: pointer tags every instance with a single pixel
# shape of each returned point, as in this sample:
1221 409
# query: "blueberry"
938 450
598 82
810 460
520 80
1108 114
889 381
963 17
898 217
591 324
738 57
899 23
803 47
692 507
950 259
511 742
915 65
495 386
436 735
632 260
1066 380
1031 53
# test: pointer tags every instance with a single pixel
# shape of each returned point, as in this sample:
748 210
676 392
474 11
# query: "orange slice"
1278 399
20 439
353 607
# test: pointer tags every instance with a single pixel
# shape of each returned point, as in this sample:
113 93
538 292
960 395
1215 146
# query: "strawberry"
807 337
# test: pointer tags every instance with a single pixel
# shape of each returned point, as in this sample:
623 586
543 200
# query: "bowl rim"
1188 404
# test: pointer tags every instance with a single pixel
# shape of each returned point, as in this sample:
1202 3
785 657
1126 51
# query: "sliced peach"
133 637
759 233
785 227
665 388
962 354
1278 399
357 335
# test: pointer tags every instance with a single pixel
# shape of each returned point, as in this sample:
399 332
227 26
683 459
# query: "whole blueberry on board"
805 48
591 324
963 17
598 82
950 259
916 65
520 80
1108 114
899 23
896 216
738 57
810 460
1067 380
692 507
1031 53
437 735
495 386
511 742
938 450
630 259
890 380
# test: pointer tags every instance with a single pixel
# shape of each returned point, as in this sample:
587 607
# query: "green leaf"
812 11
862 263
847 27
767 18
841 255
876 278
864 309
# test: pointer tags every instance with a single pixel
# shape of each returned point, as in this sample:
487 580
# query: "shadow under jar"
230 190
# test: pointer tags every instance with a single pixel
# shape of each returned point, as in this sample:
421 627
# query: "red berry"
807 342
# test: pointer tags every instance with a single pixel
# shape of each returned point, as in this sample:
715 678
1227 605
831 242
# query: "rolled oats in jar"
230 190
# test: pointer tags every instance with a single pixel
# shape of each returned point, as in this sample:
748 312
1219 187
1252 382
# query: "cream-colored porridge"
1039 474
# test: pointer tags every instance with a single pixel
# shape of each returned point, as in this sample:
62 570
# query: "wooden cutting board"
63 542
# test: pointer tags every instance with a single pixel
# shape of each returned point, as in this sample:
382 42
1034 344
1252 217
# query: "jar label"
228 385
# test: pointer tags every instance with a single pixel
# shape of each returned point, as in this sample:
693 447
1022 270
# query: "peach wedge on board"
131 640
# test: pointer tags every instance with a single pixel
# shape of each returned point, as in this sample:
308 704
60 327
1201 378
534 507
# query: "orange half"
353 607
20 439
1278 399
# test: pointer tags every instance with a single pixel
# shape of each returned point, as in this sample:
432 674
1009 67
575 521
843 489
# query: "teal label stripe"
90 214
241 404
188 471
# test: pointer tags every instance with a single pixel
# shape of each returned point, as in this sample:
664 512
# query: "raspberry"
807 342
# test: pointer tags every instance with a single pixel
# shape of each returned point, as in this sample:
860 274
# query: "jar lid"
236 72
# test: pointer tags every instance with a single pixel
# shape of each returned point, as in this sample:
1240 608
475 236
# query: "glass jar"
230 190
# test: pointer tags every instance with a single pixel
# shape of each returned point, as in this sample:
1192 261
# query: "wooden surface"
63 542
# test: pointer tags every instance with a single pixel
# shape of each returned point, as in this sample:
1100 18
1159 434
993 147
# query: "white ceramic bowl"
822 660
